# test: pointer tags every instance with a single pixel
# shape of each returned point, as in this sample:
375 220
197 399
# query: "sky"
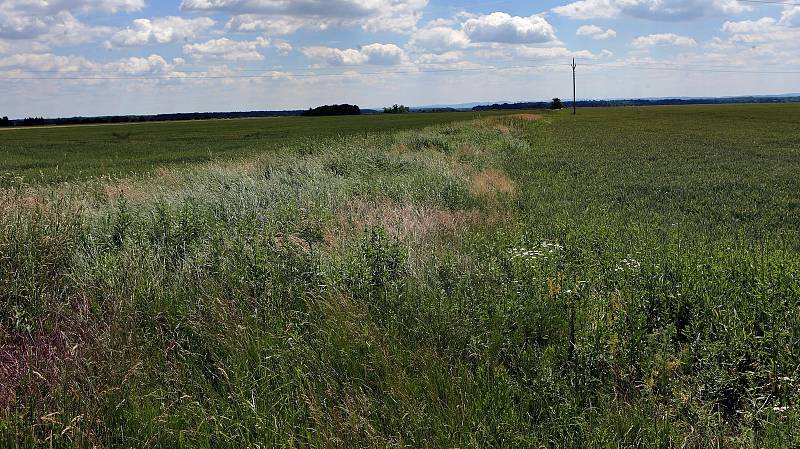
103 57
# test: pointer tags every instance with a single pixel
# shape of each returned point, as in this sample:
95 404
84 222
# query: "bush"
331 110
397 109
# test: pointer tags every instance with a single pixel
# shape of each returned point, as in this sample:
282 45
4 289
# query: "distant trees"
5 121
329 110
556 104
397 109
33 121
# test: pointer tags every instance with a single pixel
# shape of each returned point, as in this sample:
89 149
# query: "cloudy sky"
93 57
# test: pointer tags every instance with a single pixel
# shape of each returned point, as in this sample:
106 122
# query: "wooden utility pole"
574 90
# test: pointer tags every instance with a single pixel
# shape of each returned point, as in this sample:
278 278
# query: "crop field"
57 154
623 278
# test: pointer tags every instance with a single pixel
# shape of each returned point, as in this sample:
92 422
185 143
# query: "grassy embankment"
629 277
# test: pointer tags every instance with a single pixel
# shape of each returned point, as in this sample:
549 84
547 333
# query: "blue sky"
92 57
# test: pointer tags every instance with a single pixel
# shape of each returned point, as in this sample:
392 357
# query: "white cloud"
377 54
39 25
47 62
649 9
283 48
663 39
41 33
383 54
151 65
161 30
766 30
791 16
503 28
440 58
285 17
267 25
553 53
596 32
439 39
228 50
42 7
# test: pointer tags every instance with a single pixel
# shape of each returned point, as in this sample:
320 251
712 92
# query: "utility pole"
574 90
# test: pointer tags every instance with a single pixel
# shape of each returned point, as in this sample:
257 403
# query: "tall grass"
468 285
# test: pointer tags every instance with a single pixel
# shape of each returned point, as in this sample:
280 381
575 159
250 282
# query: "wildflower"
628 264
542 251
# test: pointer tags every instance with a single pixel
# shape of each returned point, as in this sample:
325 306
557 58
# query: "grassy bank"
630 277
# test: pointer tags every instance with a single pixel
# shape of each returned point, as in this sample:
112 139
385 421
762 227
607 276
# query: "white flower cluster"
542 251
628 264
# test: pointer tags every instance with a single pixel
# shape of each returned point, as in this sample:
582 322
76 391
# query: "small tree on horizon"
556 104
396 109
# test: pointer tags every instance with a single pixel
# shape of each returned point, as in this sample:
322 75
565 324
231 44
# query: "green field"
67 153
623 278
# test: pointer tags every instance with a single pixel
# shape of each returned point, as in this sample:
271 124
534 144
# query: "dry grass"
401 220
505 124
528 117
292 241
491 182
123 189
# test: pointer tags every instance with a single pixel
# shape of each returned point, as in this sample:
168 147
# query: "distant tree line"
33 121
638 102
438 110
331 110
397 109
150 118
5 122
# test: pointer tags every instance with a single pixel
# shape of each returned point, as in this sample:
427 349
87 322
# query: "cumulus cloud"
161 30
791 16
39 24
282 47
268 25
470 31
764 30
649 9
595 32
288 16
440 58
38 62
664 39
377 54
60 29
554 53
503 28
439 39
228 50
28 7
